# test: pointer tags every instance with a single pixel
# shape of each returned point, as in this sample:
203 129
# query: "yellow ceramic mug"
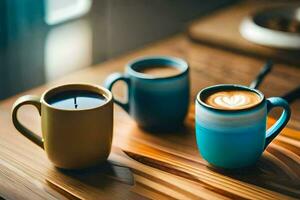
72 139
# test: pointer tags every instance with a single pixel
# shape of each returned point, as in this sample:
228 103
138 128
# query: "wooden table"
175 169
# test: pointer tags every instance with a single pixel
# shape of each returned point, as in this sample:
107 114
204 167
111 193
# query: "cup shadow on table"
180 130
102 175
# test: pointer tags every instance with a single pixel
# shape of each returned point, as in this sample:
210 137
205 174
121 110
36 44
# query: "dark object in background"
292 95
276 27
262 74
281 23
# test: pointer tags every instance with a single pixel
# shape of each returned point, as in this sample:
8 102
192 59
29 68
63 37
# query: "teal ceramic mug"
236 138
157 103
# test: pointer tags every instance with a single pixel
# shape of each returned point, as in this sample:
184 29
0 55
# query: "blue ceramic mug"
236 138
157 103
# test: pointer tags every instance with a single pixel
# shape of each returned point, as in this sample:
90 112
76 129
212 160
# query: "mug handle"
111 80
275 129
27 100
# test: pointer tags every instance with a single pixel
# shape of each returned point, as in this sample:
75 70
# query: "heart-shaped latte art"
231 101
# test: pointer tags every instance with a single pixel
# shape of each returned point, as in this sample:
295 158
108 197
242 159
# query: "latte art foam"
233 100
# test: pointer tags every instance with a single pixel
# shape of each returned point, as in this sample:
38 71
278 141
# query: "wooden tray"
222 29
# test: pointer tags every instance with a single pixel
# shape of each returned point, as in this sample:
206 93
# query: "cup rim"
103 91
180 64
199 100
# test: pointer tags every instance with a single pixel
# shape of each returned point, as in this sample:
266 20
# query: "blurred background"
42 40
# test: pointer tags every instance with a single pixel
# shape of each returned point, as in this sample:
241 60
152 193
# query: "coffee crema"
160 71
233 99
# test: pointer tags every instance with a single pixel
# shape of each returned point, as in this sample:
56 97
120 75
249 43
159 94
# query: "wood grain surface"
175 170
222 29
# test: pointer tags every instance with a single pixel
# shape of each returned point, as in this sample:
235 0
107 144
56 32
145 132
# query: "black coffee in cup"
76 99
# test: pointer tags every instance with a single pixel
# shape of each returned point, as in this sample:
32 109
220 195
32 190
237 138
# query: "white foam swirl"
233 100
236 100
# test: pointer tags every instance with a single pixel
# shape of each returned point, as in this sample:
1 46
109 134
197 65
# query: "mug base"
86 168
78 166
